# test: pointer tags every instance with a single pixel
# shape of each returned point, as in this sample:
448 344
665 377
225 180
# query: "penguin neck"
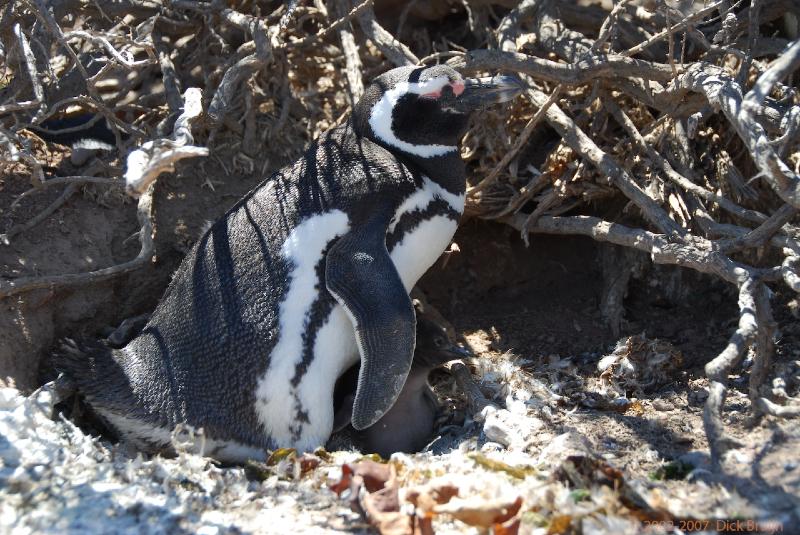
447 170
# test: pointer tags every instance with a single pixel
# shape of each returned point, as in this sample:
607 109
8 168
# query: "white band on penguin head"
380 118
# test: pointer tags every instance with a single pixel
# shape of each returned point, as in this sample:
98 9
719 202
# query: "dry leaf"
382 512
279 455
636 408
308 462
559 524
478 511
426 497
344 481
520 472
380 505
584 472
509 527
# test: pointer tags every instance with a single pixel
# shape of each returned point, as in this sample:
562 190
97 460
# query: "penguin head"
434 346
424 111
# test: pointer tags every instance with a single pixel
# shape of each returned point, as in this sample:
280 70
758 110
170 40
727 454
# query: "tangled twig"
160 156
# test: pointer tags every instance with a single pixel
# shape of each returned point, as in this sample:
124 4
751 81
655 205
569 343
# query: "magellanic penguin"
306 273
409 424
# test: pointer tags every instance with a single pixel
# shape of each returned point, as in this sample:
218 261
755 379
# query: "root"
68 192
159 156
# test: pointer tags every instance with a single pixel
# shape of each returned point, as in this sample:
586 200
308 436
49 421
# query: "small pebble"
492 446
661 405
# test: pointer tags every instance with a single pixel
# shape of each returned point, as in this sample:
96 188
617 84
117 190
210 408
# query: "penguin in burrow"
303 277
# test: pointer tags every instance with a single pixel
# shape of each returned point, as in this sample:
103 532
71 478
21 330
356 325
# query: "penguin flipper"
361 276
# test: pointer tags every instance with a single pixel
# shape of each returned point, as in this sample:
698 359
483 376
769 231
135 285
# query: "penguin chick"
409 425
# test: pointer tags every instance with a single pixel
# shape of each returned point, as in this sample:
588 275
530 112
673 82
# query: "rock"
568 444
661 405
698 396
507 428
697 459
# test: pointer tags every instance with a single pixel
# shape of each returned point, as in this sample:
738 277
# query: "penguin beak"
430 359
481 92
458 352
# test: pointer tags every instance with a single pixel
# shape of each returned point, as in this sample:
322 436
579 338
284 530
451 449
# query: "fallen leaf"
323 454
424 525
426 497
344 481
308 462
380 504
636 408
384 500
583 472
375 475
520 472
559 524
579 495
279 455
477 511
509 527
387 521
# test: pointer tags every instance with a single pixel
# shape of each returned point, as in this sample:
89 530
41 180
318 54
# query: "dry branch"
725 94
245 67
581 72
14 154
33 73
68 192
160 156
518 144
576 138
669 172
339 23
392 48
475 398
662 249
718 369
144 166
353 64
684 23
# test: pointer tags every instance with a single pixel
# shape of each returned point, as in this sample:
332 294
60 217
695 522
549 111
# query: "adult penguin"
308 272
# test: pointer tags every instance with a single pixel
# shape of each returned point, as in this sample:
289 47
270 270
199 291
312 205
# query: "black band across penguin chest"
422 227
412 220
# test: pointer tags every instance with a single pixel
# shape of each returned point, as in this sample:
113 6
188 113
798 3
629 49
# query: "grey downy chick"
408 426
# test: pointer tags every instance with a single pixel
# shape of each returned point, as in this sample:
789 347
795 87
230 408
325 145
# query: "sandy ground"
54 478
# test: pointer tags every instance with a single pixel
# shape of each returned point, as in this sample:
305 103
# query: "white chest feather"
422 245
275 394
335 347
